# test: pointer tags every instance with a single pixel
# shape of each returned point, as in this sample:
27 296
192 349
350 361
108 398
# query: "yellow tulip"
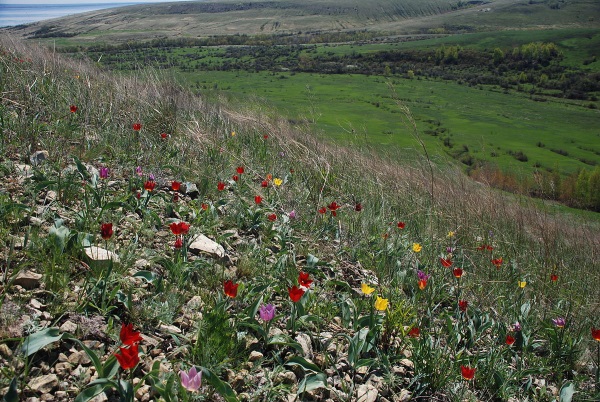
417 247
450 234
366 289
522 284
381 304
277 181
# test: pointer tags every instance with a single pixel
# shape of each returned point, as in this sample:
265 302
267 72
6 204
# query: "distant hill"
206 18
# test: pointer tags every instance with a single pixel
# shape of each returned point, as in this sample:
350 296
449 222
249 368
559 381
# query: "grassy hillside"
352 109
390 277
534 120
201 19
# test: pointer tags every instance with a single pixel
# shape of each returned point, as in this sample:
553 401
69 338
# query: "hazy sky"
81 1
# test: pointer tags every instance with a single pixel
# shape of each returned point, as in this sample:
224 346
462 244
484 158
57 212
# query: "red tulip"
497 262
295 293
164 136
178 242
220 186
175 185
106 230
128 335
322 210
128 357
272 217
257 199
401 225
73 108
457 272
596 334
179 228
137 126
149 185
333 206
553 277
204 206
446 263
414 332
265 136
264 184
510 340
462 305
304 279
467 372
240 169
230 288
358 207
235 177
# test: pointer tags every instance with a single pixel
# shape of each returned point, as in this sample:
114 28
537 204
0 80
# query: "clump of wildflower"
381 304
366 289
304 279
468 373
423 278
106 230
295 293
266 312
230 288
104 172
191 380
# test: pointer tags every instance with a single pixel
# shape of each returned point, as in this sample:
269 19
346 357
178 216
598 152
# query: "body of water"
17 14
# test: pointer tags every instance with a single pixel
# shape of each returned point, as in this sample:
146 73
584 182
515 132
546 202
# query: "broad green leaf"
252 309
149 276
304 364
126 390
312 381
566 392
59 234
221 387
35 342
110 367
311 261
81 168
12 395
357 345
90 393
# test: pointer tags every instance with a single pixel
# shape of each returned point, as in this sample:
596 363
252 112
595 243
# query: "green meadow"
452 118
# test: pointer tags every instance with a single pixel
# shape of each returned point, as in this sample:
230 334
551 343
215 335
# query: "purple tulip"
292 214
517 326
191 380
104 172
138 171
422 275
559 322
266 312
